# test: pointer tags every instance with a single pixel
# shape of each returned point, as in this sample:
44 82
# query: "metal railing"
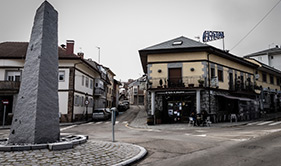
177 82
9 85
99 91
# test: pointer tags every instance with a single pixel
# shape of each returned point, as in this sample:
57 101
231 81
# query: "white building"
270 57
77 79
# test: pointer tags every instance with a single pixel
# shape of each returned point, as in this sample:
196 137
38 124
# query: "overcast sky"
122 27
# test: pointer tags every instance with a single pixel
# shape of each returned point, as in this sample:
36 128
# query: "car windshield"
98 111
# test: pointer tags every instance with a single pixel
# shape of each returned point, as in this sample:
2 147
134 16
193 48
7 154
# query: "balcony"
99 92
9 86
182 82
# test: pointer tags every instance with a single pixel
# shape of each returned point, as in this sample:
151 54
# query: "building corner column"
198 110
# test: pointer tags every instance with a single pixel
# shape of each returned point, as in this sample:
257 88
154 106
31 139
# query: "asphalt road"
257 143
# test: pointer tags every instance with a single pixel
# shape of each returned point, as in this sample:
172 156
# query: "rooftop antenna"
198 38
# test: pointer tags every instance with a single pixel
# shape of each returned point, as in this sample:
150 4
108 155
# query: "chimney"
69 47
81 55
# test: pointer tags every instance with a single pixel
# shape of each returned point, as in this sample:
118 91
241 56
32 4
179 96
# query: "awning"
236 98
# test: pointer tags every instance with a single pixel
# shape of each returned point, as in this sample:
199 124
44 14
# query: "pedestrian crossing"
94 123
264 123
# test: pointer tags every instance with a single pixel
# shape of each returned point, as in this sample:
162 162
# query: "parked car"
101 114
122 107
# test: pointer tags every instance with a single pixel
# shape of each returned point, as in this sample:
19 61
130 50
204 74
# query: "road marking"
125 122
90 123
276 123
253 123
98 123
201 135
116 122
240 140
69 127
264 123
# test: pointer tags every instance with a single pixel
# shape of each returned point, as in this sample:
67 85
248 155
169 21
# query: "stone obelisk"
36 115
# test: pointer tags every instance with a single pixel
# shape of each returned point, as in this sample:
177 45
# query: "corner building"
185 76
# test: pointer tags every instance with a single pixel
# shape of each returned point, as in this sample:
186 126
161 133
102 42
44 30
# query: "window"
179 42
264 77
91 84
83 80
271 79
213 73
82 101
13 76
76 100
220 75
87 82
61 76
278 81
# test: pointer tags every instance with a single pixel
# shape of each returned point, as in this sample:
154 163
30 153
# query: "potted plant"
201 82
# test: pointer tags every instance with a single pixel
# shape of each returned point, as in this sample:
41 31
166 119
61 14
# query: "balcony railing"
99 92
180 82
9 86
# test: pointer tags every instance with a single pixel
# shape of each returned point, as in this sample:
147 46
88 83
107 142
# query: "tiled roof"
180 42
271 51
183 44
17 50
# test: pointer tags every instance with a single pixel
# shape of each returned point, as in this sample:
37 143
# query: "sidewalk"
141 119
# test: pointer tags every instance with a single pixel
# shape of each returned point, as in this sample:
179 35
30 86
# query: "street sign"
5 102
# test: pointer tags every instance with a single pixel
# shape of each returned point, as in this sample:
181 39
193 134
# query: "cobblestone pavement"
90 153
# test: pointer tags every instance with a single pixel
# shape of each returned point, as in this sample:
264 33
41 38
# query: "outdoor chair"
191 121
208 121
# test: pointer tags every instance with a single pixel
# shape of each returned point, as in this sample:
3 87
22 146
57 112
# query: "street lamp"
98 54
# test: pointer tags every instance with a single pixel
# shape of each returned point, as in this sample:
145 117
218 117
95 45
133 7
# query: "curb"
136 158
65 144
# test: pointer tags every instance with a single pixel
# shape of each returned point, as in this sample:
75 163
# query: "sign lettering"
212 35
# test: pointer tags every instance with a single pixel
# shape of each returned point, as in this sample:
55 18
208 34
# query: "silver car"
101 114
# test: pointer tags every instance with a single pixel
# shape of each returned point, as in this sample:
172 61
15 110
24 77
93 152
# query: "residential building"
76 80
186 76
101 86
270 57
110 87
136 91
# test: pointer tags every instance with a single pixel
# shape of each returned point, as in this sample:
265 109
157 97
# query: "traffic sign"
5 102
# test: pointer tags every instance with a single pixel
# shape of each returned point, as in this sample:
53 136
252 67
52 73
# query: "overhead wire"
256 25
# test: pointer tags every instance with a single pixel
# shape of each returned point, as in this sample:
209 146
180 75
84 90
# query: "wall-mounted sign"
212 35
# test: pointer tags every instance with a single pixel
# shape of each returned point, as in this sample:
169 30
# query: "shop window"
220 75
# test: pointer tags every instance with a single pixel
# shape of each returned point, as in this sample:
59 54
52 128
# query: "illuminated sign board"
212 35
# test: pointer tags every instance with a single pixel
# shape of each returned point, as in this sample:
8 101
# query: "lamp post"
98 53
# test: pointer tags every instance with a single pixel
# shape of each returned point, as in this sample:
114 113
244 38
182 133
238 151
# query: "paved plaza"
91 153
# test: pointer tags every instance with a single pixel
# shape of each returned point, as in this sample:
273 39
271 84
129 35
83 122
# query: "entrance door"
175 78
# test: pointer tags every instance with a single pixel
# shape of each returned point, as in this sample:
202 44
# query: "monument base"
66 142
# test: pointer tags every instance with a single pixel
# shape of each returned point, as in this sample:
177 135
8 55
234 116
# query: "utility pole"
98 54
